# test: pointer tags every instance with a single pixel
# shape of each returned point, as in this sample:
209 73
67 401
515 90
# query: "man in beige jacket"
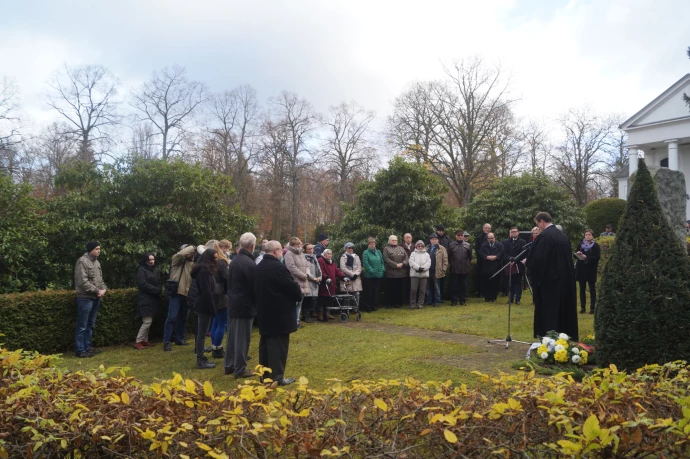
437 271
88 281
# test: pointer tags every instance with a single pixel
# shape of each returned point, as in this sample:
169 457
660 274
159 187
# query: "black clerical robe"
553 277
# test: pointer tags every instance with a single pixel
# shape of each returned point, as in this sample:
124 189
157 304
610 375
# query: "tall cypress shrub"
643 312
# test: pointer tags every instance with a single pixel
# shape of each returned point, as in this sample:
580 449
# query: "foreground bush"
46 412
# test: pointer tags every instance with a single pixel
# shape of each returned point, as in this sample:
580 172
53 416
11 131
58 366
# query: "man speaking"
551 271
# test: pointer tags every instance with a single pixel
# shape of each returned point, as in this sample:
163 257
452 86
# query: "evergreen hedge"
643 313
44 321
602 212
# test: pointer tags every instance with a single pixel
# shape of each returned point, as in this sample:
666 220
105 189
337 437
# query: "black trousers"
515 286
490 286
372 287
273 352
459 287
406 290
203 326
394 290
592 295
480 275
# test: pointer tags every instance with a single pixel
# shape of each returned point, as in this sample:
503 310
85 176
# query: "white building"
662 131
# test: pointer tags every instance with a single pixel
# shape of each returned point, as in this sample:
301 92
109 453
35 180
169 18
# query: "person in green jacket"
372 262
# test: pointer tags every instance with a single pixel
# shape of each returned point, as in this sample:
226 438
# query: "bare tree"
616 157
51 150
535 142
9 114
142 141
275 169
298 119
86 96
580 158
345 148
168 100
232 135
505 147
457 119
410 127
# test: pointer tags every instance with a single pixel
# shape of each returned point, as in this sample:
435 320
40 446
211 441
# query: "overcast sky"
616 55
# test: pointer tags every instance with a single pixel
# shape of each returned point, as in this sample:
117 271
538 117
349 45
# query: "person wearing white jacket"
420 262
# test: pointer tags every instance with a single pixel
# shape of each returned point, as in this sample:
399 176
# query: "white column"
672 154
632 160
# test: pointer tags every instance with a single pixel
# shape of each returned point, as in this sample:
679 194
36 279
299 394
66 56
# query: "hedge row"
44 321
47 412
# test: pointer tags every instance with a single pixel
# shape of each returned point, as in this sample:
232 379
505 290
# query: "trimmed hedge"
44 321
601 212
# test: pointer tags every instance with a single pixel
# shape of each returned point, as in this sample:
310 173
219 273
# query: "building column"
632 160
673 154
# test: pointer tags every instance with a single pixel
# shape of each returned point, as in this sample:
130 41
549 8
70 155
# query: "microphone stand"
508 338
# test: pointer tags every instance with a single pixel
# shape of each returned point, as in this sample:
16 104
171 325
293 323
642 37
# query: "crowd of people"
281 287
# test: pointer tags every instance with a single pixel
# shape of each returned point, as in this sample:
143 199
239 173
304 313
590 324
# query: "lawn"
347 352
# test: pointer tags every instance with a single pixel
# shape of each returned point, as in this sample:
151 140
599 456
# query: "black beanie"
92 245
321 237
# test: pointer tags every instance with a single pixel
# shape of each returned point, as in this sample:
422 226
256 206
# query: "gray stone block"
670 187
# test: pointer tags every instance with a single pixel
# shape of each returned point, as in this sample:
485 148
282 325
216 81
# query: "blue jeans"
220 323
177 318
87 311
433 292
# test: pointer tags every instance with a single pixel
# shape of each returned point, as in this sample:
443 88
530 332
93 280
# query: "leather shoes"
244 374
286 381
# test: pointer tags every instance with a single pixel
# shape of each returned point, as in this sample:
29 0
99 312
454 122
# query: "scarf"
586 246
350 263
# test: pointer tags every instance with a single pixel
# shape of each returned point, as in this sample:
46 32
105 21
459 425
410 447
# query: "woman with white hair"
351 266
395 259
420 262
329 276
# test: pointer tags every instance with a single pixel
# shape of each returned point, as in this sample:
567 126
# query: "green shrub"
45 321
48 412
643 311
602 212
605 244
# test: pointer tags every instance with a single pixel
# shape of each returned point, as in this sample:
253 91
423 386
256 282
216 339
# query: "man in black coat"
478 242
277 295
241 308
491 254
512 247
552 274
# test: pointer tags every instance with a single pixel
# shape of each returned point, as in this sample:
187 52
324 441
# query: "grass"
317 351
476 318
322 352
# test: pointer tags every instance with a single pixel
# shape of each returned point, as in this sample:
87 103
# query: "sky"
613 55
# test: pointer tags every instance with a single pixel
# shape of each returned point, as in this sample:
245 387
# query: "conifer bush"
643 312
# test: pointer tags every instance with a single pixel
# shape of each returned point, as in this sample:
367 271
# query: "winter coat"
441 261
241 299
88 277
491 266
318 249
392 255
478 243
297 265
586 270
221 278
444 241
314 270
205 301
459 257
372 262
419 259
277 295
356 271
149 294
328 271
181 270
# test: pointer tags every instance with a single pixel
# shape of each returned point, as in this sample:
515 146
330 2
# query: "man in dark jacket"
512 247
443 240
459 258
277 295
478 242
241 308
491 254
321 245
